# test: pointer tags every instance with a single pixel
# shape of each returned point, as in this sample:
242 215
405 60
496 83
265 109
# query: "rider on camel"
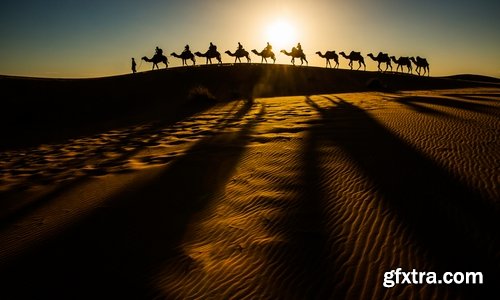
212 48
186 49
158 51
268 47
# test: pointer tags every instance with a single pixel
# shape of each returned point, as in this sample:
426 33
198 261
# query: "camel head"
319 53
342 53
198 53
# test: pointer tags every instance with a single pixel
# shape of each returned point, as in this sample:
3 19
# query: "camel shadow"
455 102
132 139
417 104
476 97
450 220
116 251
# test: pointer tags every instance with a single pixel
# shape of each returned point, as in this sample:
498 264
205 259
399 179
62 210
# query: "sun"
281 35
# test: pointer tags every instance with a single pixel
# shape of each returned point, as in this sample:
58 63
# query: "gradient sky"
74 38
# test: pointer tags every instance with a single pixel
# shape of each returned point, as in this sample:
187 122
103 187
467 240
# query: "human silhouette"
299 47
240 47
268 47
212 48
186 49
133 65
158 51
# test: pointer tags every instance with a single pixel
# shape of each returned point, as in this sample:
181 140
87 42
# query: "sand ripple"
311 197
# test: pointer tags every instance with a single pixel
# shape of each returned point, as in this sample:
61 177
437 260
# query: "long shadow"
13 208
484 97
449 219
414 103
452 103
305 271
116 251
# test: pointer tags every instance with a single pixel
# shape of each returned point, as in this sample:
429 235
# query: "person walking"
133 65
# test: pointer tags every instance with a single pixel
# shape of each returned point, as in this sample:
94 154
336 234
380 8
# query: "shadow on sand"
448 219
14 204
115 251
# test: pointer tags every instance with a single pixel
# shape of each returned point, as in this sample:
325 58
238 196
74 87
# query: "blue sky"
98 38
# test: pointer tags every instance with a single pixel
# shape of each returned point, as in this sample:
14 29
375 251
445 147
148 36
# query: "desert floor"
299 197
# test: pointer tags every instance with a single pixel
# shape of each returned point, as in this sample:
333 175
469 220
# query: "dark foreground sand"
291 197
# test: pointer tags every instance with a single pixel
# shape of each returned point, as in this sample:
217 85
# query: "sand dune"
291 197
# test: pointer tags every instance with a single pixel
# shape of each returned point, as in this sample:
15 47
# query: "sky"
81 39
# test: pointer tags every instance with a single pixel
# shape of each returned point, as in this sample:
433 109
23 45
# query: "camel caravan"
404 64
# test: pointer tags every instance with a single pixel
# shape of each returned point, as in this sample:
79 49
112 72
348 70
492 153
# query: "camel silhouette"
238 54
265 54
185 56
382 58
295 53
155 60
354 56
421 62
402 61
330 55
209 55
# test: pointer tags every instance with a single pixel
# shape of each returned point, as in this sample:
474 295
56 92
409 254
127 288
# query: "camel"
185 56
330 55
155 60
402 61
238 54
209 55
354 56
265 54
296 54
421 62
381 59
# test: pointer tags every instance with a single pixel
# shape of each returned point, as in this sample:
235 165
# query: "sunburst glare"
281 34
